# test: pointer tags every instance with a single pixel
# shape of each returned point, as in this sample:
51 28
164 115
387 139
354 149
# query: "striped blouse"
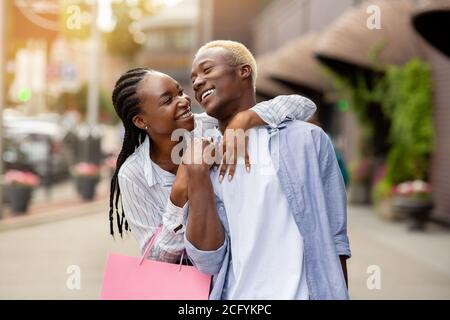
145 187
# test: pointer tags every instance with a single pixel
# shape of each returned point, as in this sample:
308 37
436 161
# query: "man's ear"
245 71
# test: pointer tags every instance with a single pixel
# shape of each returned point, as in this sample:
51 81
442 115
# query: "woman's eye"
207 70
167 100
181 93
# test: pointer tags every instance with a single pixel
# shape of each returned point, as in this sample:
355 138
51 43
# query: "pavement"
37 260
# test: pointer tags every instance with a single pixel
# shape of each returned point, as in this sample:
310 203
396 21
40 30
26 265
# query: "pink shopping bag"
131 278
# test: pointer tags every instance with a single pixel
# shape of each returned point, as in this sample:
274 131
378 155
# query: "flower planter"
417 209
19 198
387 211
359 193
86 187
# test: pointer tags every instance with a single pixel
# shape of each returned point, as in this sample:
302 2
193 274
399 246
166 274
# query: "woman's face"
164 105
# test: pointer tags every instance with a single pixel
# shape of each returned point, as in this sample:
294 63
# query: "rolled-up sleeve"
285 107
208 262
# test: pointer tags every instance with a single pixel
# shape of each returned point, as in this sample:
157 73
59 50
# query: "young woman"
151 187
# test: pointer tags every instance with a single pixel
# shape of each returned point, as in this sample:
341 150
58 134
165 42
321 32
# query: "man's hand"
204 228
179 193
200 155
343 260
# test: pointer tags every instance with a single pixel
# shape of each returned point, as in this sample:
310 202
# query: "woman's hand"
235 141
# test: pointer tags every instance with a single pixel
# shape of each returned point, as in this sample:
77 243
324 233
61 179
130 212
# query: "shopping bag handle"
150 245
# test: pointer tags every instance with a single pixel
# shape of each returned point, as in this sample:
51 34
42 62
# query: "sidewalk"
412 265
34 260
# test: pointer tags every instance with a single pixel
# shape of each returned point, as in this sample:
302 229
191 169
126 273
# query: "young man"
278 232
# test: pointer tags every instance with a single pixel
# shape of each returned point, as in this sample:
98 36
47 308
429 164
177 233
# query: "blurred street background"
378 71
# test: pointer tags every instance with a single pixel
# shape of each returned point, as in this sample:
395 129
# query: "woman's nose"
184 100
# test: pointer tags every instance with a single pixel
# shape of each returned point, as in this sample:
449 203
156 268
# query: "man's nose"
199 81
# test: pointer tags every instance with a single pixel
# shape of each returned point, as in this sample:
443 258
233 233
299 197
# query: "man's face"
216 82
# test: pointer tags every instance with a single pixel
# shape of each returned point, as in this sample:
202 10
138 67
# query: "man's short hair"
240 54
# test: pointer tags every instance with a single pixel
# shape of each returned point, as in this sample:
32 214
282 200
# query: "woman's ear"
139 122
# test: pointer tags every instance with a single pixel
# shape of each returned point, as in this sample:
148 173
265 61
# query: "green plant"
404 95
408 104
358 89
381 190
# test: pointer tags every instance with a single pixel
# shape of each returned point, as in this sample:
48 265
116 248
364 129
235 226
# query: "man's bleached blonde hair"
240 54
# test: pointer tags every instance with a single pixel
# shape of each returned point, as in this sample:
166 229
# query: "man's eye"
207 70
168 100
181 92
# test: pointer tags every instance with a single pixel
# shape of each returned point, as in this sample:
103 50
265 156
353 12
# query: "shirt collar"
152 172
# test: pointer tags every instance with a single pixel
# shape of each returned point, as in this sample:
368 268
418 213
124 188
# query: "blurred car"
36 144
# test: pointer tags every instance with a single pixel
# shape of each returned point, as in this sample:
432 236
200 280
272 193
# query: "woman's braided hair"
127 105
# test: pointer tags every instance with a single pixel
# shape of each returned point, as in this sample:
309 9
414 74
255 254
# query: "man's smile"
206 94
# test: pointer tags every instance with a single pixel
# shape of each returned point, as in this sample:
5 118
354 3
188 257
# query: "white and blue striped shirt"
145 187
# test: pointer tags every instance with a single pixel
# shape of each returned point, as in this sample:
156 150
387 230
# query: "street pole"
94 70
2 92
91 144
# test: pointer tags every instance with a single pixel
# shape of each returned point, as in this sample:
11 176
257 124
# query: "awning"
350 42
432 21
266 86
295 63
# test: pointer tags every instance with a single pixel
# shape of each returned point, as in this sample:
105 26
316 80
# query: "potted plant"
414 198
86 175
19 188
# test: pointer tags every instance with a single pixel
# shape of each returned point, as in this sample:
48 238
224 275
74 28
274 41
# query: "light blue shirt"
260 223
310 178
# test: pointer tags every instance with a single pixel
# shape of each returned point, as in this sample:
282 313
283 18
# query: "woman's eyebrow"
165 94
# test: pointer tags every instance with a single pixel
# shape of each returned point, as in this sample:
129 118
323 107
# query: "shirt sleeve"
203 123
144 217
208 262
335 196
285 107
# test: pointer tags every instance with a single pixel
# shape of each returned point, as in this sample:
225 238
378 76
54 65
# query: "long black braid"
126 103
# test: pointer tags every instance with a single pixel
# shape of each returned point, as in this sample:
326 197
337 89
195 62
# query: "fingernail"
230 177
248 169
220 178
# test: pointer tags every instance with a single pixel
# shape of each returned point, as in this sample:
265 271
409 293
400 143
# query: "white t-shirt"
266 244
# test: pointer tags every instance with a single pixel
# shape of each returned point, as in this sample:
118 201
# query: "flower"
416 188
363 171
110 162
21 178
86 169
